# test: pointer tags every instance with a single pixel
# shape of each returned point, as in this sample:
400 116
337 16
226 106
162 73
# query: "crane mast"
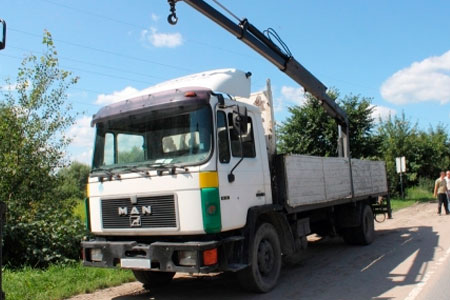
256 40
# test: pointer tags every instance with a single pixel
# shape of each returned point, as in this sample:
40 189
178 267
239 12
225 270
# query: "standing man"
447 178
440 191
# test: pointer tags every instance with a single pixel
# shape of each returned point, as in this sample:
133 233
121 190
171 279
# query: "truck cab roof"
228 81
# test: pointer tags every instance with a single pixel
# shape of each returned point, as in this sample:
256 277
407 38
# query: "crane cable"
227 10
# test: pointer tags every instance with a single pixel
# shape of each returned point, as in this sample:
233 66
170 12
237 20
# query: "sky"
395 52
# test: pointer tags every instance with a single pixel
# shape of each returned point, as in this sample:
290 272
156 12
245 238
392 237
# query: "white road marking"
419 287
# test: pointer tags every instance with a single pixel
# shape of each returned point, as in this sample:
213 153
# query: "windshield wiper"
141 169
136 169
169 167
102 172
113 172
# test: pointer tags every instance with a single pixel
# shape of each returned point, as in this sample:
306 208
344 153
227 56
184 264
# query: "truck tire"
262 274
152 279
364 234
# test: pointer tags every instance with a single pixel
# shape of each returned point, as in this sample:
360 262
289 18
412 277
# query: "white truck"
186 178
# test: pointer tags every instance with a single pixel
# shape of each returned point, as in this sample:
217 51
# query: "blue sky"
397 52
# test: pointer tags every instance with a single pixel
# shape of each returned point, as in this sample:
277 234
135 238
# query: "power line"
91 72
86 12
91 64
91 13
140 27
104 51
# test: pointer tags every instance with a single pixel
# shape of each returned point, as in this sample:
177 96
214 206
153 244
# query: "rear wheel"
262 274
364 234
152 279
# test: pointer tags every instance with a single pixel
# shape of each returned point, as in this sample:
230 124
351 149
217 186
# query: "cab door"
247 188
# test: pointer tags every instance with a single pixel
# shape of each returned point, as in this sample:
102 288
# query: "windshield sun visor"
147 103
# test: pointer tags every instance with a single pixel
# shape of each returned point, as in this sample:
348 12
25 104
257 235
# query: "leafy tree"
73 181
426 152
309 129
136 154
398 136
33 119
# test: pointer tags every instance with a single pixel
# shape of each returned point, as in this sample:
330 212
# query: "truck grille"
120 213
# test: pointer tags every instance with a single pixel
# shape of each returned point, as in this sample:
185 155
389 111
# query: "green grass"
412 196
59 282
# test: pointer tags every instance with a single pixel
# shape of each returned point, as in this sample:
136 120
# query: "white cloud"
382 112
81 133
427 80
159 40
278 105
84 157
155 17
293 94
116 96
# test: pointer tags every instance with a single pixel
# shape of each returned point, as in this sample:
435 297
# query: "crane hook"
172 18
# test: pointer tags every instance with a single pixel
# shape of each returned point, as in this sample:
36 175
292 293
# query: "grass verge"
412 195
59 282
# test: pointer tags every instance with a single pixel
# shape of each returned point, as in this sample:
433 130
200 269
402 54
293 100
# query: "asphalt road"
439 286
408 260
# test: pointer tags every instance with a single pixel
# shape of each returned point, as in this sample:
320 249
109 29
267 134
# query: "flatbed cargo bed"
308 182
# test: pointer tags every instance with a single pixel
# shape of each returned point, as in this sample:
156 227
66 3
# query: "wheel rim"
266 257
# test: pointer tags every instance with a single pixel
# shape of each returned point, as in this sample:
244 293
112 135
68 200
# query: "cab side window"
248 142
222 138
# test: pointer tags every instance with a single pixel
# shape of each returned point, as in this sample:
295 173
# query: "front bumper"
162 256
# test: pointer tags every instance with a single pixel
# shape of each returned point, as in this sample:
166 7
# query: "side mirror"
240 119
3 37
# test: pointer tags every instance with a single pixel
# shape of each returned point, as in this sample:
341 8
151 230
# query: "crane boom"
256 40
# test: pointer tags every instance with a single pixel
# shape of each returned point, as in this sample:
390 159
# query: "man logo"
135 221
145 210
135 213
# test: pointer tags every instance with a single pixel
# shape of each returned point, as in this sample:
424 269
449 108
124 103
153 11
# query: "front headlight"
187 258
96 254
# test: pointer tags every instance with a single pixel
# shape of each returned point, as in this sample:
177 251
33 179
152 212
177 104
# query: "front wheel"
262 274
152 279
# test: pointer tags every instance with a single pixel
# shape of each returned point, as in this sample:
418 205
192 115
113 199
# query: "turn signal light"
210 257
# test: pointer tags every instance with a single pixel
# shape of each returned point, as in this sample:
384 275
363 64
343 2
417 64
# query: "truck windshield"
177 136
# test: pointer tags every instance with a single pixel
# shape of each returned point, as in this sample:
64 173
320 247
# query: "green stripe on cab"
212 222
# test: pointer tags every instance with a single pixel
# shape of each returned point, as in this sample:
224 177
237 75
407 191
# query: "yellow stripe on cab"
209 179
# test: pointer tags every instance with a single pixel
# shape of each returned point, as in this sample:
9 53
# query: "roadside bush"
53 237
426 184
34 116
